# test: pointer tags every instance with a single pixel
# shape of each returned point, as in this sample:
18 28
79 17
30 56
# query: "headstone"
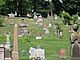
7 53
79 18
61 33
58 30
39 21
46 31
2 52
15 55
40 53
32 53
23 52
8 40
22 23
20 33
35 16
50 25
38 37
55 17
15 13
62 55
23 27
11 15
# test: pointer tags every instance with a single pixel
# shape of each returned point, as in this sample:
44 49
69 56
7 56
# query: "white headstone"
8 40
49 25
40 53
61 33
38 37
15 13
78 18
46 31
55 16
11 15
2 53
32 53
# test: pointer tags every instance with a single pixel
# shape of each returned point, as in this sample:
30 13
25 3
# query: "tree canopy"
24 6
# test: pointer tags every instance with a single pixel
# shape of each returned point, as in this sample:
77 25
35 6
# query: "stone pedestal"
15 56
2 56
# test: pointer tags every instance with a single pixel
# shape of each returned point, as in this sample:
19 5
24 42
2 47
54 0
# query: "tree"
1 22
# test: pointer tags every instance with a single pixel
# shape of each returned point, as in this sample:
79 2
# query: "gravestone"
46 31
7 53
61 33
55 17
38 36
35 16
37 53
79 18
62 55
49 25
39 21
11 15
8 40
15 13
23 27
20 33
58 30
23 52
40 53
32 53
22 23
2 52
10 18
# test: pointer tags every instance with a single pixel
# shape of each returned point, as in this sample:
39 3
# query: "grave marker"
2 53
15 55
38 37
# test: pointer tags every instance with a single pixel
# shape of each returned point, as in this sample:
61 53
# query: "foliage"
23 6
1 22
74 18
66 17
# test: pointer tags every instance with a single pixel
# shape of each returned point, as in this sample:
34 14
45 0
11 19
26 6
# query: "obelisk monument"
15 44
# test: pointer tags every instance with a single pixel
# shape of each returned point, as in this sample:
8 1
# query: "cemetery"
49 42
39 30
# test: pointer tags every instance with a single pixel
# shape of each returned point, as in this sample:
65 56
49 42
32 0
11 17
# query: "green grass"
50 42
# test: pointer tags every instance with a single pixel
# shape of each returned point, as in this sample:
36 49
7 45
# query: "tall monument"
75 43
15 45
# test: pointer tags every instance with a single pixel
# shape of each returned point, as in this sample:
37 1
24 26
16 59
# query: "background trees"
42 6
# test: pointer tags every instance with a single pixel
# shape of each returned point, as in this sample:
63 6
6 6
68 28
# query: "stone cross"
15 55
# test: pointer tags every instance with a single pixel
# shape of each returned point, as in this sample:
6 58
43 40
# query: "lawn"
50 42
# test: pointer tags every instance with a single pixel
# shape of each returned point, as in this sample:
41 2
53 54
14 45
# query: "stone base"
15 56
